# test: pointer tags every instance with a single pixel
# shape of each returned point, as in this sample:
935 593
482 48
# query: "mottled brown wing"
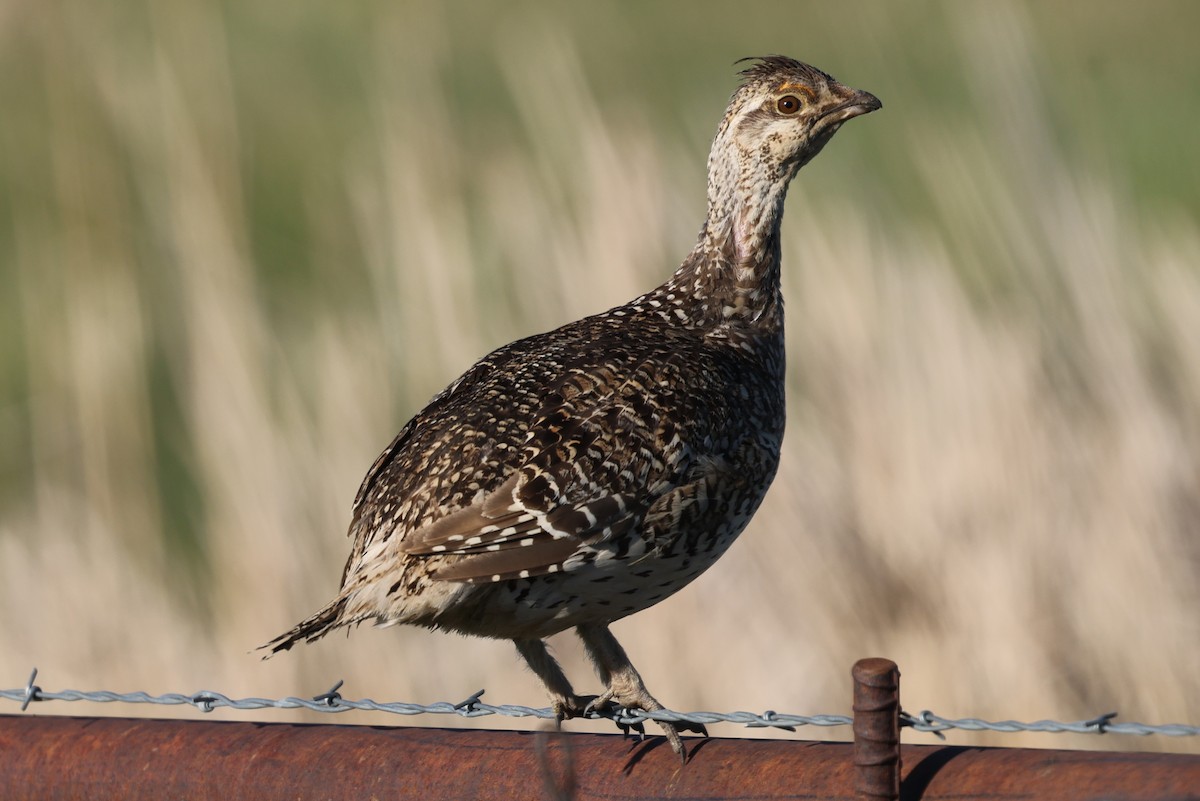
500 537
593 463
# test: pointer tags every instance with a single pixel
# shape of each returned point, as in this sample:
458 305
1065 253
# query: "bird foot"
636 697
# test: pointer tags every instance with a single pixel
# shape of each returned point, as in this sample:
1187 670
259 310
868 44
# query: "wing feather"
597 455
544 555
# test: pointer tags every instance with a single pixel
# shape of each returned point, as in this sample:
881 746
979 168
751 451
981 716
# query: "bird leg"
563 700
625 686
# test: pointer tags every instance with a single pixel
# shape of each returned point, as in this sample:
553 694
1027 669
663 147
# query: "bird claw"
639 727
603 706
599 703
573 706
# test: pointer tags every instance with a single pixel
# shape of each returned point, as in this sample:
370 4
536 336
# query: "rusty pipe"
65 758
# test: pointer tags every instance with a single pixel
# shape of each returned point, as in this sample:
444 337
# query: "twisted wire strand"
332 701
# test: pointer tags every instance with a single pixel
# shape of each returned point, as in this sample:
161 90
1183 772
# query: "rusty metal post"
876 730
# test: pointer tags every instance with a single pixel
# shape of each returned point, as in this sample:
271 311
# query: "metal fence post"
876 730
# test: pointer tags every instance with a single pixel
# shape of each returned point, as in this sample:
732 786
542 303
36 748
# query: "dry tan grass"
991 469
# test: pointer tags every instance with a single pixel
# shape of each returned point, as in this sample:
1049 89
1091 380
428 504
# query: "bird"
575 477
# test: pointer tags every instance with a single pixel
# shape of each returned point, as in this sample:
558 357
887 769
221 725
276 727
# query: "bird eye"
788 104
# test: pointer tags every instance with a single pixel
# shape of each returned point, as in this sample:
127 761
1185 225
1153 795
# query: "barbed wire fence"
332 701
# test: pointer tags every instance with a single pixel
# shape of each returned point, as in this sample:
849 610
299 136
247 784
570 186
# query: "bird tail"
313 628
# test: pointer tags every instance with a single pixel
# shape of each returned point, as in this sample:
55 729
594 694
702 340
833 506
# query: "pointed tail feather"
311 629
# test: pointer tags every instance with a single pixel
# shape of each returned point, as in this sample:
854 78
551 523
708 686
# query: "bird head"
780 117
785 111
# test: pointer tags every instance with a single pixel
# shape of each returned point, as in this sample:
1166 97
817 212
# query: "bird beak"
858 103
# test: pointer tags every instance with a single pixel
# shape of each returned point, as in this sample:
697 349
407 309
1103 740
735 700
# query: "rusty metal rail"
118 758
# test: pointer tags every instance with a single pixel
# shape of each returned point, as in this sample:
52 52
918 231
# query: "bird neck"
733 272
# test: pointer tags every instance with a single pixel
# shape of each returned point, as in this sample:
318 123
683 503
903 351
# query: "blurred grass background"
240 243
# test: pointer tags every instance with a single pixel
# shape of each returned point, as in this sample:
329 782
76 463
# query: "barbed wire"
331 701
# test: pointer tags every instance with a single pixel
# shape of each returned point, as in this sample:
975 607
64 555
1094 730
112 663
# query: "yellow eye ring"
788 104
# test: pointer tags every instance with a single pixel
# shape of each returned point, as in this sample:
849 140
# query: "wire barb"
769 720
921 722
1101 722
331 697
32 691
467 706
204 701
